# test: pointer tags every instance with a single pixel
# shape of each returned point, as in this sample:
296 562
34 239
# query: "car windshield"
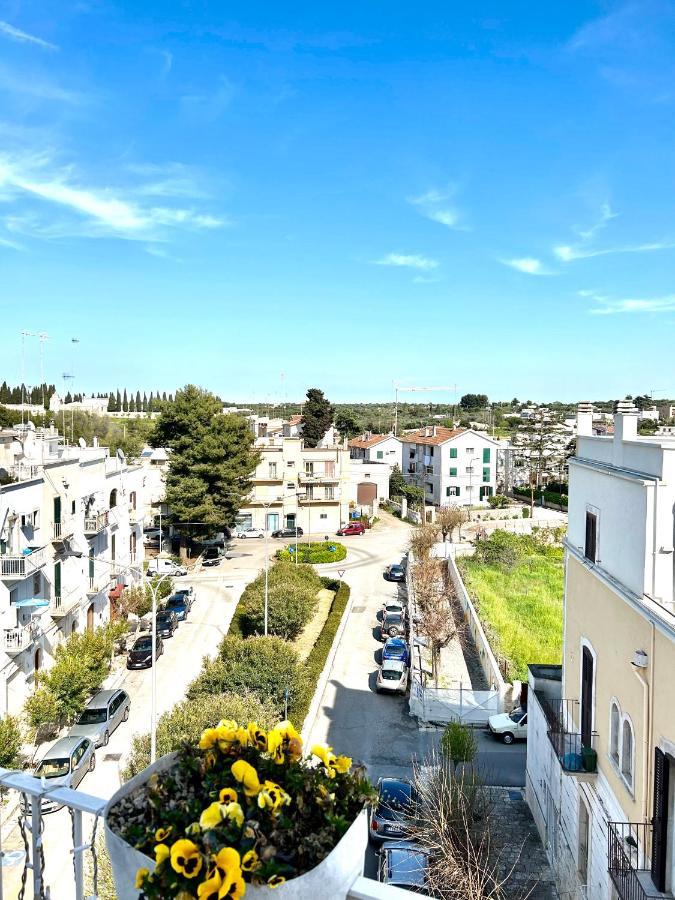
396 570
175 601
395 650
391 675
393 618
93 717
143 644
394 801
517 715
53 768
182 593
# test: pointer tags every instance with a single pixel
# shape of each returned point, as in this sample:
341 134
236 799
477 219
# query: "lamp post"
472 461
266 505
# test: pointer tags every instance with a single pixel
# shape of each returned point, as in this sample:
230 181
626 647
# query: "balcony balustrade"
13 567
94 524
63 530
318 477
628 864
16 640
62 604
575 756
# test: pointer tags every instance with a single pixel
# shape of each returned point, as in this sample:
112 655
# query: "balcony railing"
62 530
16 640
628 863
317 477
22 565
94 524
62 604
575 755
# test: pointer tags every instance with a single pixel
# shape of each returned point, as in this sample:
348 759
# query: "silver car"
101 716
395 806
64 765
404 864
392 676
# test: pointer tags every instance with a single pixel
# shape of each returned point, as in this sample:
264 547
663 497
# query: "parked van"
161 566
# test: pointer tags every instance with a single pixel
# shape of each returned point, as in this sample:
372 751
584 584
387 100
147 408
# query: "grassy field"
520 605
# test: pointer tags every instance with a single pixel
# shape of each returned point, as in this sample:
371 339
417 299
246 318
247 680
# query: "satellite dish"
81 441
120 455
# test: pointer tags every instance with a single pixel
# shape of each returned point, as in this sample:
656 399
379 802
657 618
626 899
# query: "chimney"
625 422
585 419
434 431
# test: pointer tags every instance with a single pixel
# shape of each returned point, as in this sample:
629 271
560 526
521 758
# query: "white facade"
378 448
77 498
366 478
454 466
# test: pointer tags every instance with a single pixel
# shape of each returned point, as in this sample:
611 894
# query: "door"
91 567
290 521
272 520
586 697
57 583
90 617
660 819
57 510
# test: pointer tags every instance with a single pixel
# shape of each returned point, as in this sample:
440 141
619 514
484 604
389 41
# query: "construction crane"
414 390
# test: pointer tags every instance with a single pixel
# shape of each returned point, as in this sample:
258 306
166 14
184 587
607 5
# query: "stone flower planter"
331 878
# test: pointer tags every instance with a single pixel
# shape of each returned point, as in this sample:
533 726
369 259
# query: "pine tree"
4 393
151 402
125 402
68 398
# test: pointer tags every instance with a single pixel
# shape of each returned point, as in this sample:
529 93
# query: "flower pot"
331 878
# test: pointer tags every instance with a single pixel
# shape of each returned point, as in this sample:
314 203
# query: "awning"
31 601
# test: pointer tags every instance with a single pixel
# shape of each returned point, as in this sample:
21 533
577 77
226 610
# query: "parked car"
352 528
395 804
393 606
404 864
396 648
211 557
189 593
179 605
392 676
395 572
250 533
64 765
287 532
215 540
392 625
509 726
162 566
140 655
167 623
101 716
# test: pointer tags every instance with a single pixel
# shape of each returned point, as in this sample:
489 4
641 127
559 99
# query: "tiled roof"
295 420
363 441
431 434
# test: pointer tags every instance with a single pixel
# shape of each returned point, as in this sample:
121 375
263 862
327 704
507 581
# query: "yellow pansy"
343 764
141 875
234 813
162 852
210 889
228 795
186 858
212 816
193 828
209 739
324 797
232 890
162 833
227 866
227 735
257 736
275 881
250 861
327 757
272 796
247 776
284 743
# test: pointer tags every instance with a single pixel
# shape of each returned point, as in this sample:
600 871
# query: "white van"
161 566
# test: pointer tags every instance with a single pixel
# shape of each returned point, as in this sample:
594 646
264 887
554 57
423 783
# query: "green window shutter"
447 492
457 492
486 473
453 473
57 580
486 454
453 453
380 454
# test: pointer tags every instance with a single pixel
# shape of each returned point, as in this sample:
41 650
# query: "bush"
314 553
292 600
525 512
498 501
265 666
458 743
187 720
11 740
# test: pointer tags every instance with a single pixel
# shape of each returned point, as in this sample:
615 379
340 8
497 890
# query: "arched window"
614 724
627 751
113 498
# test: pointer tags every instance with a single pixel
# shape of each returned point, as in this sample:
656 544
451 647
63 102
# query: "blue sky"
478 194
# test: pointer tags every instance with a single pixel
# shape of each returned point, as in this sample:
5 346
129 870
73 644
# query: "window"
627 752
486 454
452 491
37 584
290 463
412 454
430 488
486 473
453 472
453 453
323 516
36 518
330 492
72 507
469 450
431 451
380 454
272 469
591 544
469 470
309 468
290 485
614 721
113 499
485 491
132 499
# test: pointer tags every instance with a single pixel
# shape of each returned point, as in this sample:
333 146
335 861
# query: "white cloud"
434 205
527 264
412 261
424 279
11 245
22 37
567 253
606 306
605 216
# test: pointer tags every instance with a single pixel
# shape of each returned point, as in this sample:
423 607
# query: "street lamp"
471 461
266 505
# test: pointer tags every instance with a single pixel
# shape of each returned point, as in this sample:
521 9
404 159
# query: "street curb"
312 713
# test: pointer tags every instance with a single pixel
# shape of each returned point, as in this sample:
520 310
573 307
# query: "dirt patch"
312 629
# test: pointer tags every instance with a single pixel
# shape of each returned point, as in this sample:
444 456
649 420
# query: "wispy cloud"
207 107
23 37
37 88
566 253
11 245
528 264
411 261
607 306
99 212
605 216
437 205
425 279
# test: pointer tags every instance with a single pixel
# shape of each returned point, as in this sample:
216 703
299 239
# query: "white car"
161 566
509 726
251 533
392 676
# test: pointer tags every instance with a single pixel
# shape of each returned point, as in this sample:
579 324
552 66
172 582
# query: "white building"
368 485
61 501
649 415
453 465
380 448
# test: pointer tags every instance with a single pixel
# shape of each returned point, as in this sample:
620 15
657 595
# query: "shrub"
292 600
265 666
11 739
525 512
498 501
314 553
187 720
458 743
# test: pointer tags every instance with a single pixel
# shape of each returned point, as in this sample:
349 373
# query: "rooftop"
366 440
432 434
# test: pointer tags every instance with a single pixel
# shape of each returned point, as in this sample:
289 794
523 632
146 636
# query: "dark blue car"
178 604
396 648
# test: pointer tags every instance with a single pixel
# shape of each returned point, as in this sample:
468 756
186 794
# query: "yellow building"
601 728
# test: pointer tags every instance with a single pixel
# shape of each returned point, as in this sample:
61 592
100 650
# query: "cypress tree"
125 402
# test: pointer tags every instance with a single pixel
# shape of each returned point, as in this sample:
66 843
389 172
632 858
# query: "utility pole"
24 335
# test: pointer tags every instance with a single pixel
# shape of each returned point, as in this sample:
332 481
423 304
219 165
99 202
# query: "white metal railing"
94 524
14 640
64 602
61 530
22 565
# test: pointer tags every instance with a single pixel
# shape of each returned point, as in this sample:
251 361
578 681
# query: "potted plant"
241 813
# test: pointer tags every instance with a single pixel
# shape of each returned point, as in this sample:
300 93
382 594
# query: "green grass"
520 607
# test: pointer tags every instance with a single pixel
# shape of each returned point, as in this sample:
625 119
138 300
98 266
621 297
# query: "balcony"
16 567
96 523
135 516
628 864
62 604
16 640
61 531
318 478
575 757
304 500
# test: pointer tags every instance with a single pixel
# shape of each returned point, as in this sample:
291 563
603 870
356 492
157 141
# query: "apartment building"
70 526
379 448
453 465
297 484
601 727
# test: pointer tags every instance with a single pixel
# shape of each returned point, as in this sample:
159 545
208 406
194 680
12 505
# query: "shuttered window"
486 473
453 472
591 545
486 454
660 819
453 453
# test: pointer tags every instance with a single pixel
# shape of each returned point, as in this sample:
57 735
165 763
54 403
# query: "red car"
352 528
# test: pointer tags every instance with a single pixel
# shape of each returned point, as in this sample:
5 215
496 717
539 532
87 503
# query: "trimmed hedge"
314 553
292 601
552 497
